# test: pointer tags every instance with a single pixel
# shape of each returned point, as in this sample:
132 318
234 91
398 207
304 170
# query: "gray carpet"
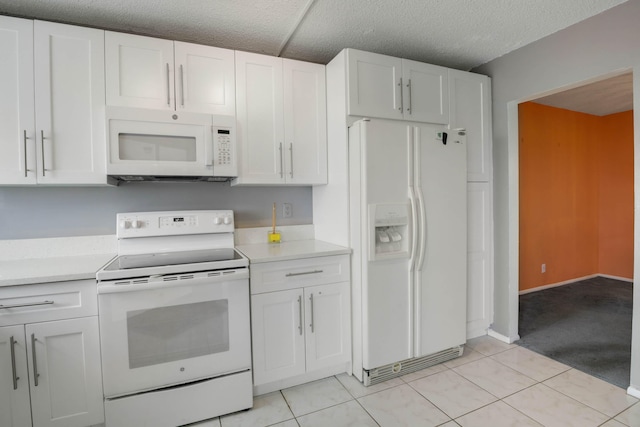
586 325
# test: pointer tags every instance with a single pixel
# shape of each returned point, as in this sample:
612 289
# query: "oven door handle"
160 282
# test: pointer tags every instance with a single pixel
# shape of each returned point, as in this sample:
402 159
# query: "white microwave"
170 145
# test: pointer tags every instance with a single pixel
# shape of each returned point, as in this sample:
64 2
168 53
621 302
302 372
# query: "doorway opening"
576 226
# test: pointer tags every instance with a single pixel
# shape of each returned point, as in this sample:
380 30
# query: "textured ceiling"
454 33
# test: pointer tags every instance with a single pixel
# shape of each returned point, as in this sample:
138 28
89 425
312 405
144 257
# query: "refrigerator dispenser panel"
388 231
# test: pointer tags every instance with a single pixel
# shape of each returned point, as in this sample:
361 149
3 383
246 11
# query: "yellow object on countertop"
274 236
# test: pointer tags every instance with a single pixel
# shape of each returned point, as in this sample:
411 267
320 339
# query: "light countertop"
53 269
284 251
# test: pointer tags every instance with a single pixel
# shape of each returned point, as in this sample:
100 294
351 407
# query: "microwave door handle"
209 148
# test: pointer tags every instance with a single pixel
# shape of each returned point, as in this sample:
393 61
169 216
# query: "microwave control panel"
224 151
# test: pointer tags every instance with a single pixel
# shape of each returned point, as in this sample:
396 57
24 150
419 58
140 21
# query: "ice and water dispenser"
388 231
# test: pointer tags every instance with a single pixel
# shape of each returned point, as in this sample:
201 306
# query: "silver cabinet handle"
300 312
168 87
401 95
181 85
409 86
42 150
35 360
281 163
304 273
291 155
311 324
2 307
24 139
12 343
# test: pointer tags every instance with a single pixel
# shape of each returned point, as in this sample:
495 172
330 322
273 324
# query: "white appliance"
174 320
408 231
170 145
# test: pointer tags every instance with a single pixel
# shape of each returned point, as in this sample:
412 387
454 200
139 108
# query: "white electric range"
174 320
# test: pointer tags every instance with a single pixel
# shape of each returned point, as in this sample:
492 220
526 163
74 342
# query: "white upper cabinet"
205 79
374 86
53 129
281 116
147 72
305 122
139 71
393 88
426 92
17 125
471 109
69 88
260 117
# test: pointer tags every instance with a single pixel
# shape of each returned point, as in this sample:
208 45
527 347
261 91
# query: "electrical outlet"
287 210
543 269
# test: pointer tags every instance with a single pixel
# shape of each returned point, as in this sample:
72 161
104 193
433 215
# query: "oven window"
163 148
177 332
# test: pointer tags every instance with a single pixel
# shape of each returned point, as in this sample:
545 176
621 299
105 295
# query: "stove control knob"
228 220
136 224
217 220
125 224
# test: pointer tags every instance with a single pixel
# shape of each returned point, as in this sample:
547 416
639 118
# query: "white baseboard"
632 391
503 338
622 279
567 282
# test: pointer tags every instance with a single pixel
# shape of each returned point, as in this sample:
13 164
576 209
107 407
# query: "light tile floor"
493 384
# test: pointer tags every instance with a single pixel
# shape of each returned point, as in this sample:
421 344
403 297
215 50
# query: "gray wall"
37 212
602 45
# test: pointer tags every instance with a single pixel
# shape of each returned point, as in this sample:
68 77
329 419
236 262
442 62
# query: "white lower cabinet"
304 328
50 373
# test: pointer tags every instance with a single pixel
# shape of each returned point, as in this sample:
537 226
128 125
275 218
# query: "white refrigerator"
408 232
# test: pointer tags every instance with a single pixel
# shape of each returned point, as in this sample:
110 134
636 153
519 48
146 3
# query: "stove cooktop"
137 265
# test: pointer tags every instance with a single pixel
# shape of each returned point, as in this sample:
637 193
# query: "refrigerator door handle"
422 224
412 201
423 229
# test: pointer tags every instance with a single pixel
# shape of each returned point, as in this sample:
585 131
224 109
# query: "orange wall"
566 164
615 222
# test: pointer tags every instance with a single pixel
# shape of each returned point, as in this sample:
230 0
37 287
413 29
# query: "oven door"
175 329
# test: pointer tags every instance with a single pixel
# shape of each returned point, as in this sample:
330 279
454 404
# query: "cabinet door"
327 325
479 259
205 79
471 109
305 123
260 131
374 85
426 92
17 146
139 71
69 87
277 331
64 359
15 408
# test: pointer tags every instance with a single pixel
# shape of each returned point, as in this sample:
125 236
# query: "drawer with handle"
47 301
280 275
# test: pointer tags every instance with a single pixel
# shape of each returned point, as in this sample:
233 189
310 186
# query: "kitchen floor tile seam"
539 381
442 410
365 409
493 403
528 376
333 406
287 402
575 400
498 397
585 404
589 406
